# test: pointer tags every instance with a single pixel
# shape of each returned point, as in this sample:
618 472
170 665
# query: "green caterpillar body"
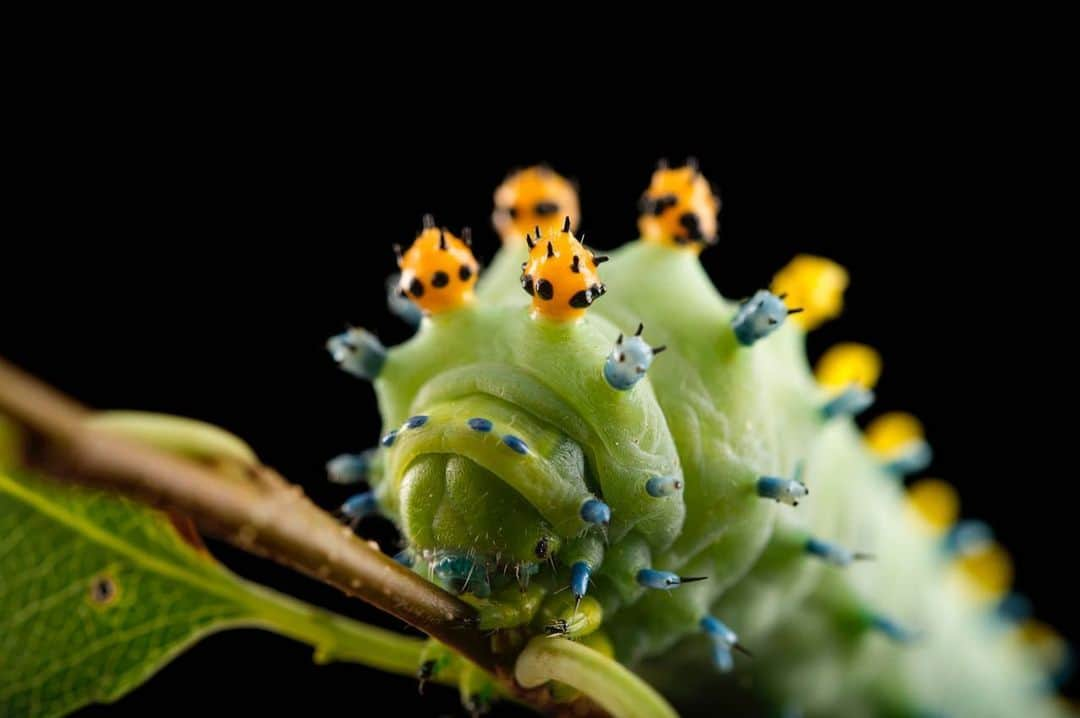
500 426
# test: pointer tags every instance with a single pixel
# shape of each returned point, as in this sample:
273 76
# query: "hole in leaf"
103 590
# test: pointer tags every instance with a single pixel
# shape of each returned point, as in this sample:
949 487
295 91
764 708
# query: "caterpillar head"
438 272
536 196
561 275
679 208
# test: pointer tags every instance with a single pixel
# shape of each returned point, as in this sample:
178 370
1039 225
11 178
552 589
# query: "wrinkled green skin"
719 415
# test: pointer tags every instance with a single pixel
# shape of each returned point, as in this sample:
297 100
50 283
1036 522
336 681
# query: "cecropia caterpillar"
544 460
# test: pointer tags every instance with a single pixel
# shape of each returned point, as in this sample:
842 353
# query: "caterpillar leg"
477 689
436 660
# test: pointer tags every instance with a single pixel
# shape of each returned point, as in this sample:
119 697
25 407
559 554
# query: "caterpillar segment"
541 460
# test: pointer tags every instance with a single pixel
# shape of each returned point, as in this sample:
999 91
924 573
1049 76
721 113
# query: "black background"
192 257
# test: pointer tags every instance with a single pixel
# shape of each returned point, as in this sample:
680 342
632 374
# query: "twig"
268 516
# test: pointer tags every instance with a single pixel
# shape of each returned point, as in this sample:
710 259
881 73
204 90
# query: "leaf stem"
334 637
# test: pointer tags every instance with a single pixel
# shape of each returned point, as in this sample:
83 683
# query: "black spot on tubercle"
656 206
440 279
692 224
545 208
527 283
544 289
416 287
465 272
582 299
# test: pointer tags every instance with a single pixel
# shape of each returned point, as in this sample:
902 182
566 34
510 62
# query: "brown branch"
268 516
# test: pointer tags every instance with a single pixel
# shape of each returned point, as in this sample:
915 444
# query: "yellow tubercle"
679 209
1049 647
935 503
890 434
815 284
561 275
438 272
535 196
988 570
846 364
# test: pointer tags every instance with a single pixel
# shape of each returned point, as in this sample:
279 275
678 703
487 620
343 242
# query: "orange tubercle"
439 271
679 209
535 196
561 275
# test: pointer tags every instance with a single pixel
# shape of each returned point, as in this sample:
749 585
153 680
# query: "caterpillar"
603 449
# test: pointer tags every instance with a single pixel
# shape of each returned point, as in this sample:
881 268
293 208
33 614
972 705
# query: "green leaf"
96 594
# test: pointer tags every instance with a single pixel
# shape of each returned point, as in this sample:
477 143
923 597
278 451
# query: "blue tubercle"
358 506
850 402
629 360
966 536
759 316
663 580
415 422
405 558
722 658
718 630
595 511
891 629
660 486
1014 608
388 440
580 573
914 459
399 304
479 424
516 444
784 491
1064 671
833 553
723 640
358 352
349 468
